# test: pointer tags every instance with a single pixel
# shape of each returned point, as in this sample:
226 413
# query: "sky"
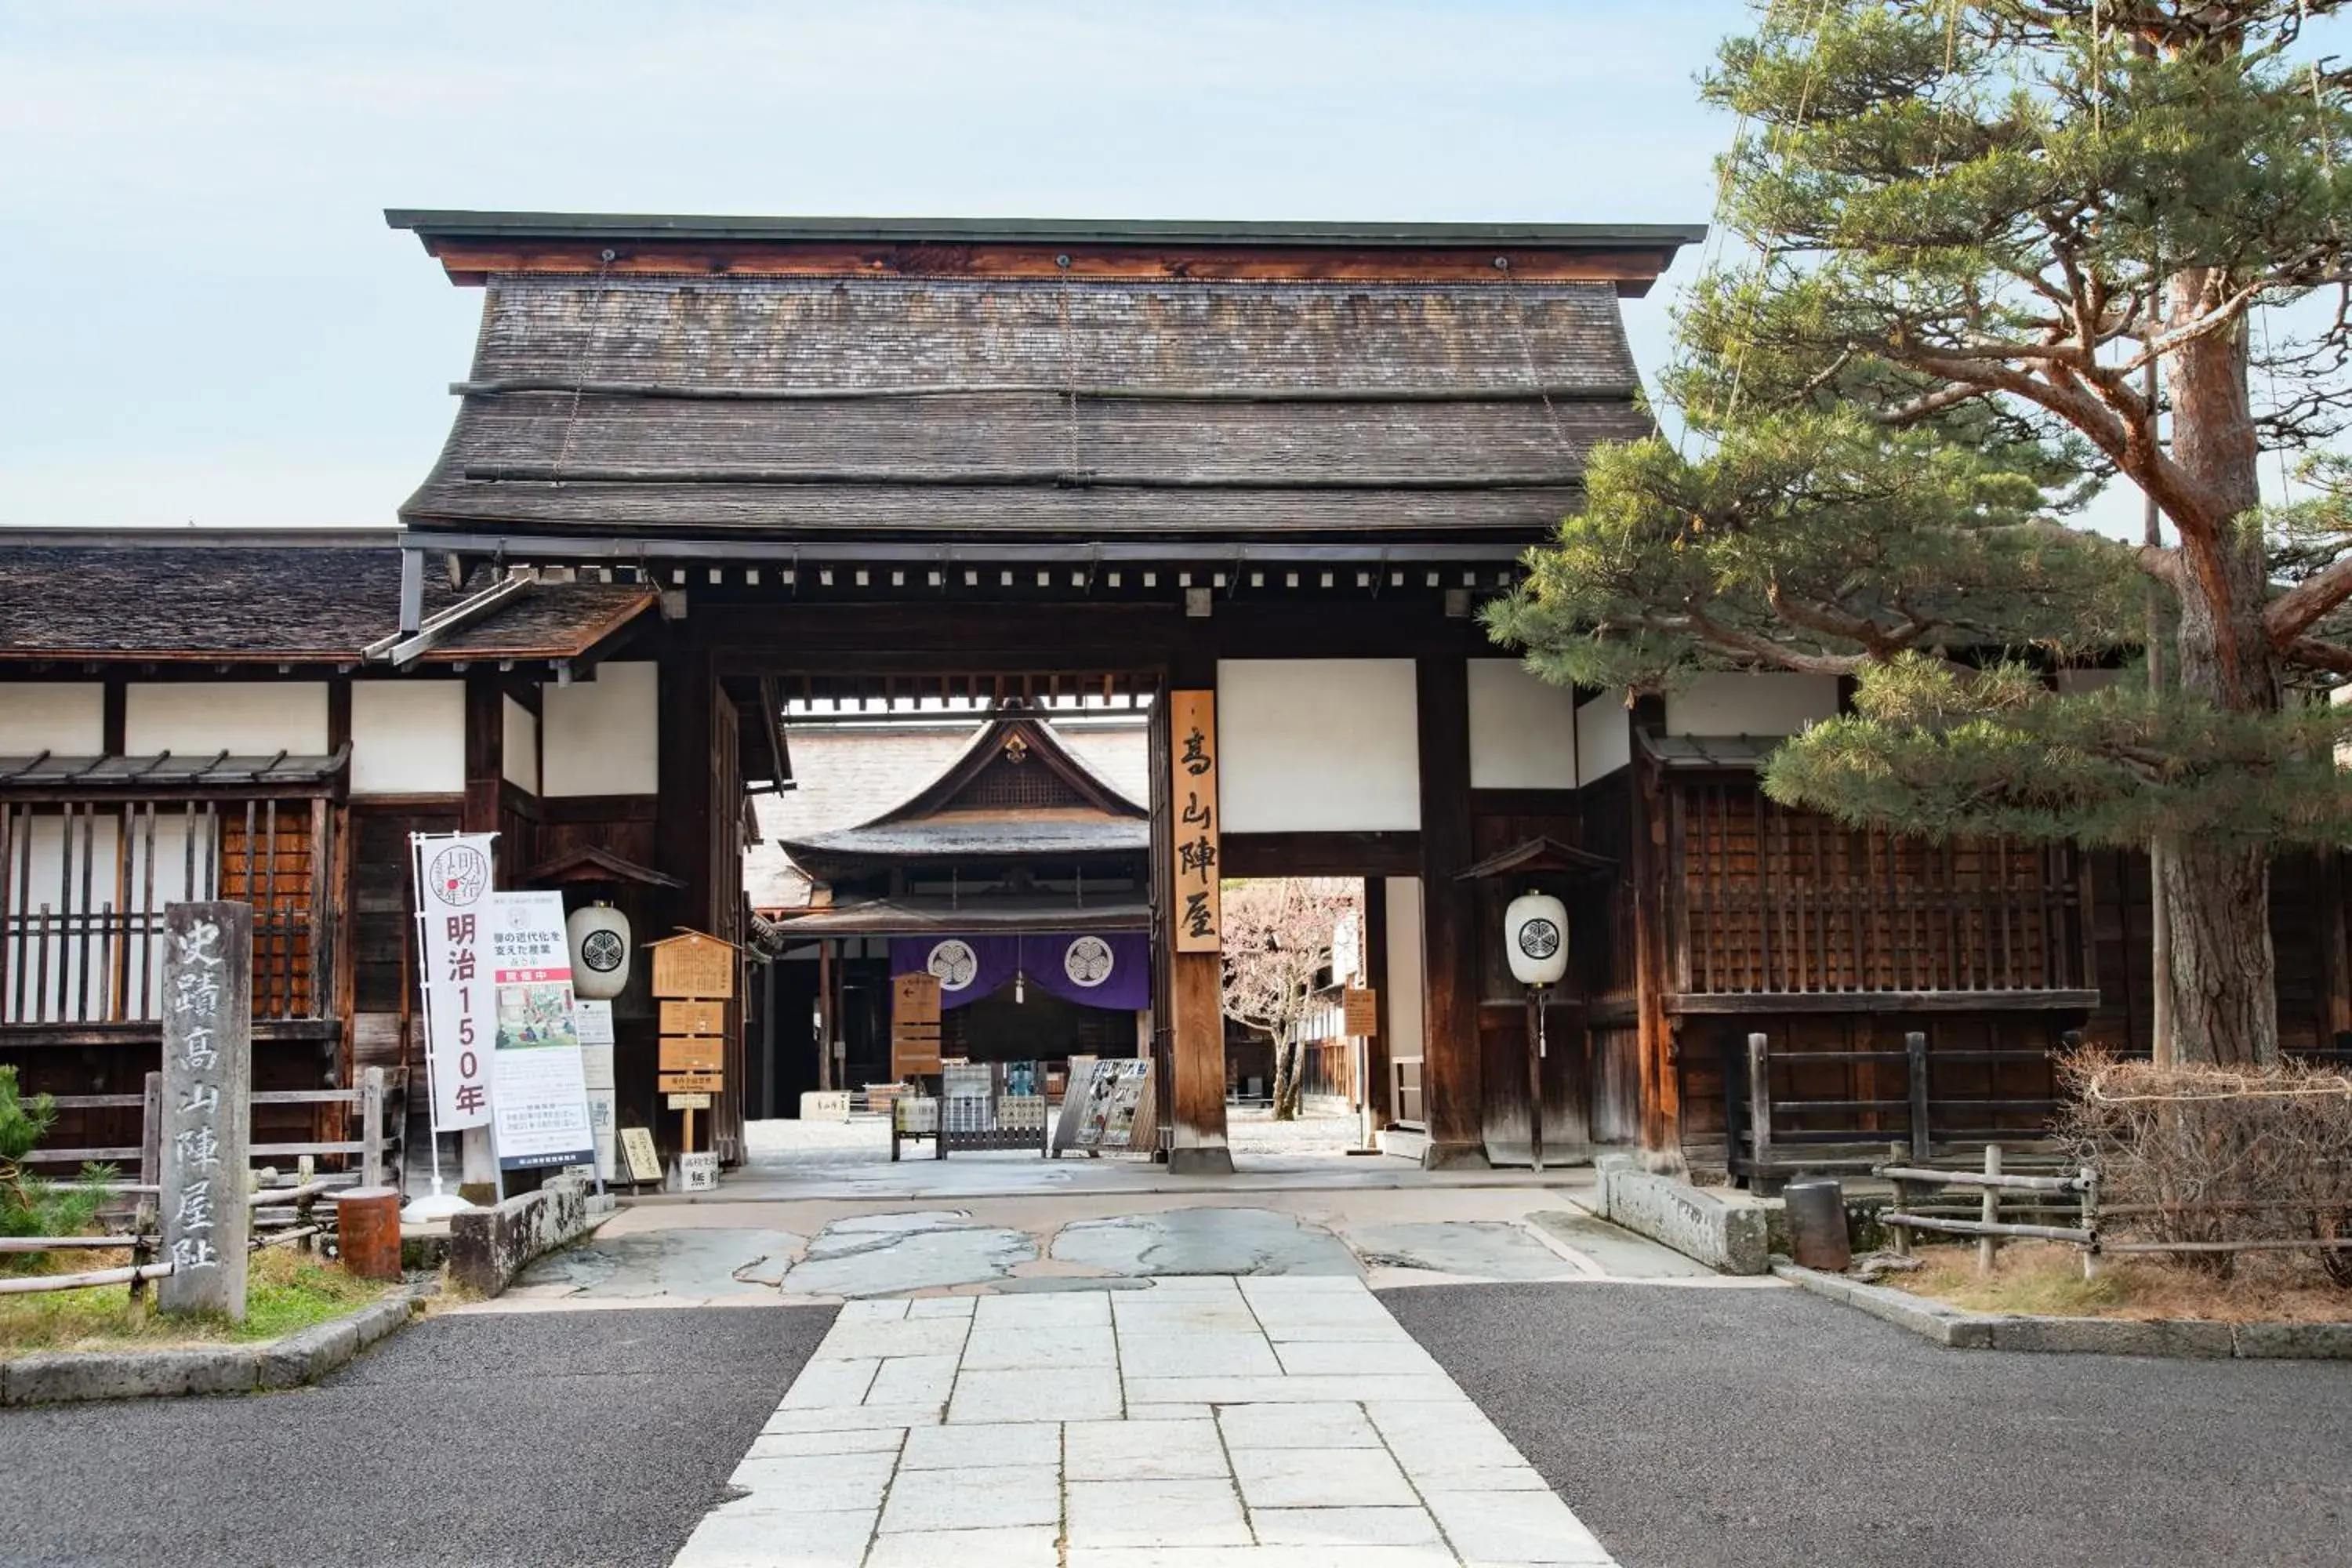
208 322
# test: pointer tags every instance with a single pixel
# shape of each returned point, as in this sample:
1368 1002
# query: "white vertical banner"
453 928
539 1086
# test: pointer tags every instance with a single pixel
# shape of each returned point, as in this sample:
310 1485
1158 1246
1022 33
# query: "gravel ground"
557 1439
1693 1427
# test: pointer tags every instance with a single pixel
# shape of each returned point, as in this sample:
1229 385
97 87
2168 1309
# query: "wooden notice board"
693 1017
693 963
692 1053
1192 797
1360 1007
914 1025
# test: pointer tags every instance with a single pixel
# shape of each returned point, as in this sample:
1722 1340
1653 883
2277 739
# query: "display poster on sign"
453 926
539 1085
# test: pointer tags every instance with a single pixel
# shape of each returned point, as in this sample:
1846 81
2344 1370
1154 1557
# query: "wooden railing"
380 1101
83 885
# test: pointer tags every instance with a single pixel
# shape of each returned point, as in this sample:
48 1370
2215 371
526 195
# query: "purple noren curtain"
1111 970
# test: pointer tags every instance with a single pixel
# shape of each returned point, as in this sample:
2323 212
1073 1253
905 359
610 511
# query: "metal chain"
1069 366
580 361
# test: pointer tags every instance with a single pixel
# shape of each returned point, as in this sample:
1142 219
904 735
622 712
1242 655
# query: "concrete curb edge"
2174 1338
64 1377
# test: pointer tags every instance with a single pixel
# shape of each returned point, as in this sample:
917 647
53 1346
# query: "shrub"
30 1205
2210 1154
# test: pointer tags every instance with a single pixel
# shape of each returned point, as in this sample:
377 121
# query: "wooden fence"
380 1101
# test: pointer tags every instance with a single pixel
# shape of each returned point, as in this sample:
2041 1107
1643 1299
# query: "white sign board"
539 1085
453 925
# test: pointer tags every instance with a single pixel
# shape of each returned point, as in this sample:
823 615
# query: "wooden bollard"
367 1220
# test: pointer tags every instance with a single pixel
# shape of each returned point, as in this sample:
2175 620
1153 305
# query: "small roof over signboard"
1539 853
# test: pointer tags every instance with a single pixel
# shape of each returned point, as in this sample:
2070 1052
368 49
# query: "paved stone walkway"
1279 1421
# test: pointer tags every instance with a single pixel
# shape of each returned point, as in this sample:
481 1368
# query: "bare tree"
1277 950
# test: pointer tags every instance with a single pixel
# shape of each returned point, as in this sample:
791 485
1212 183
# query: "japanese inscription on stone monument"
207 1078
1192 798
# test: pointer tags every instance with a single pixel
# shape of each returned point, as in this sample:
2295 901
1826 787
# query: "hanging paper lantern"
1534 932
599 935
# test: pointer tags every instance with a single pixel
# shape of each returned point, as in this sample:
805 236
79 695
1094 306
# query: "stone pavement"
1285 1421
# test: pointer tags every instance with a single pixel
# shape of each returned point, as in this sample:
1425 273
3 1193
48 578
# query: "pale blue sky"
206 319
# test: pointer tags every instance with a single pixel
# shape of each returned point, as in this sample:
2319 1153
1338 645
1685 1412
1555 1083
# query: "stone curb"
2175 1338
63 1377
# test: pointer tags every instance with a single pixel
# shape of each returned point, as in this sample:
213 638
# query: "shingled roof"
790 406
246 598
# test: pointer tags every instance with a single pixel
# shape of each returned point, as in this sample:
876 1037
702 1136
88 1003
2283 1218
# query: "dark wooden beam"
1373 855
1451 1074
1782 1003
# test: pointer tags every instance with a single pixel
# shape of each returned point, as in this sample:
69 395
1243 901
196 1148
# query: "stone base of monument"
66 1376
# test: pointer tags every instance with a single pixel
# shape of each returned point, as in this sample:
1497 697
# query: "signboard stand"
694 973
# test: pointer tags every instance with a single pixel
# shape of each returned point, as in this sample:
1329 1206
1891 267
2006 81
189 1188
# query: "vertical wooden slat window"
1779 901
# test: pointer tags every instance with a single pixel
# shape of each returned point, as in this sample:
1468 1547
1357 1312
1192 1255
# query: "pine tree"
28 1205
1985 255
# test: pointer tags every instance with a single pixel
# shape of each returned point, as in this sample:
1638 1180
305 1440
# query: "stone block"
309 1355
2303 1341
1723 1230
131 1374
488 1248
2112 1336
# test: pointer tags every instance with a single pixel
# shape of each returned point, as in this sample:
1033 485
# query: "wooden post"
2091 1221
371 1127
208 1006
1453 1096
1759 1109
151 1134
1915 1054
824 1014
1195 1098
1535 1078
1987 1245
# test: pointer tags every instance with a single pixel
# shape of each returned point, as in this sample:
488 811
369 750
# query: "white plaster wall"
246 718
1604 737
604 736
408 736
64 717
519 756
1404 967
1318 745
1769 702
1522 729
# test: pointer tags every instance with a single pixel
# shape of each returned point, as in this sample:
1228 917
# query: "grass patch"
286 1291
2045 1280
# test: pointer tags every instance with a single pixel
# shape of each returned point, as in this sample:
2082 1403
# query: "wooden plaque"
914 1026
1360 1006
1194 906
692 1053
693 963
691 1083
688 1102
637 1150
693 1017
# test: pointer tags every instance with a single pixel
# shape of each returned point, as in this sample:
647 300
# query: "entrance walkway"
1284 1421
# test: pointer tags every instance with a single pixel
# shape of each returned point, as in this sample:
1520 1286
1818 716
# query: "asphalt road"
1693 1427
560 1439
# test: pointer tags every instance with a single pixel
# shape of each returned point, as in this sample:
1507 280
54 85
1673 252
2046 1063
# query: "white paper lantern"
599 935
1534 932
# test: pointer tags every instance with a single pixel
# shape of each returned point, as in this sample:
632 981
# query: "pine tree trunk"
1285 1078
2221 976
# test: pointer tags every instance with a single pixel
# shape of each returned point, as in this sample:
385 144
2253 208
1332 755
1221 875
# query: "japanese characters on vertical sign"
453 894
539 1087
207 1074
1193 754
